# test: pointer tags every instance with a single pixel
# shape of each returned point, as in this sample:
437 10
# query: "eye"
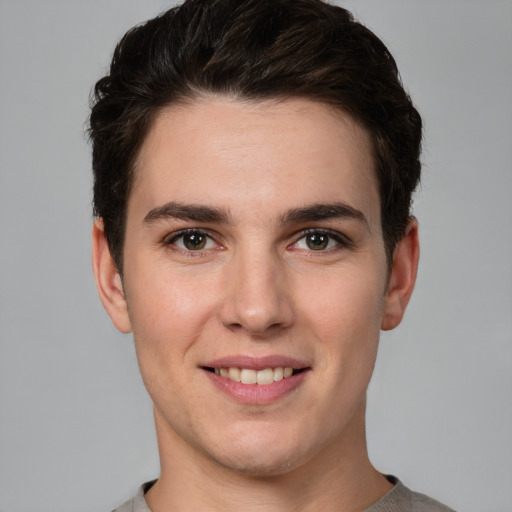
319 241
192 240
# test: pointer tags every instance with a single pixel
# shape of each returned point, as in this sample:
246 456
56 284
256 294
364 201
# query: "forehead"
267 155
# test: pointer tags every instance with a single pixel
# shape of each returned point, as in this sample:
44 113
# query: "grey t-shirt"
399 499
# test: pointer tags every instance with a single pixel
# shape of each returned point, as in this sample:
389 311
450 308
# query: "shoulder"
422 503
402 499
127 506
138 502
399 499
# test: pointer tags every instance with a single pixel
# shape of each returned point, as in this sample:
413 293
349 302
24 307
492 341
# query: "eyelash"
171 242
341 241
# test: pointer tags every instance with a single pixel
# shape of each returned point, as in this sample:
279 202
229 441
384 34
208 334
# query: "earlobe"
402 277
108 280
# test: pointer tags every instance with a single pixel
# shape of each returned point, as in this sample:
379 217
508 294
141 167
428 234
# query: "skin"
257 288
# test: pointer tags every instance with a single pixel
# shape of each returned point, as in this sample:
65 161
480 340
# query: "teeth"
278 374
265 376
261 377
235 374
248 376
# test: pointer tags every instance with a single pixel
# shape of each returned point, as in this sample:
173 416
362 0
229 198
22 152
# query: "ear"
402 277
108 280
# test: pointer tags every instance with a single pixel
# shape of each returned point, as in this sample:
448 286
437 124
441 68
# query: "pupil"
317 242
194 241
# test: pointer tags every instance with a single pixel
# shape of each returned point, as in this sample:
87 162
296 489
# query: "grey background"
76 428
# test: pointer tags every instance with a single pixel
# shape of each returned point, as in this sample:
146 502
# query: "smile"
262 377
257 381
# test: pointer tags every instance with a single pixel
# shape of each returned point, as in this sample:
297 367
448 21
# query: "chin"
261 465
260 455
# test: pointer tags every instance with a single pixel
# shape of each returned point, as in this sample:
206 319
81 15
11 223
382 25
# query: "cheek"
345 320
167 320
168 303
168 312
348 305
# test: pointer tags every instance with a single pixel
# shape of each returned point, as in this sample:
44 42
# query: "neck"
339 478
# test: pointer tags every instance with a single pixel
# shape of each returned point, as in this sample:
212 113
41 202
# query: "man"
254 164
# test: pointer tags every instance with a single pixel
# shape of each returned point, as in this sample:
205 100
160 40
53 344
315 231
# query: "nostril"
233 326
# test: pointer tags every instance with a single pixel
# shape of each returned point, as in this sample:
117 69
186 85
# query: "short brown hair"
252 49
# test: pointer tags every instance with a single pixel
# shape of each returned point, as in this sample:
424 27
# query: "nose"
257 295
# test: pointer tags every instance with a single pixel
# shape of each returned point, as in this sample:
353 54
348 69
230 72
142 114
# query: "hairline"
196 95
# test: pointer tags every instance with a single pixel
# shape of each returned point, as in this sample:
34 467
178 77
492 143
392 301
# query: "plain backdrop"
76 428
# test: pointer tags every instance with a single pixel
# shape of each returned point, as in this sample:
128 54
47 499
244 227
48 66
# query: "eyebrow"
201 213
196 213
317 212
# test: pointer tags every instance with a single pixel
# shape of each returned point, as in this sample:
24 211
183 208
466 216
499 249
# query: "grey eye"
193 241
317 241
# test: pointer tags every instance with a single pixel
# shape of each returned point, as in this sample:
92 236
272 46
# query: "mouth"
263 377
257 381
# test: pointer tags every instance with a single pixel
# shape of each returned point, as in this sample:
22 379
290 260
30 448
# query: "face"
255 280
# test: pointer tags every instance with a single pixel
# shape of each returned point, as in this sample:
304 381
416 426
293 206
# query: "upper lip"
256 363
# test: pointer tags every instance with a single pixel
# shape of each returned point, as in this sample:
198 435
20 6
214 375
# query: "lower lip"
257 394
